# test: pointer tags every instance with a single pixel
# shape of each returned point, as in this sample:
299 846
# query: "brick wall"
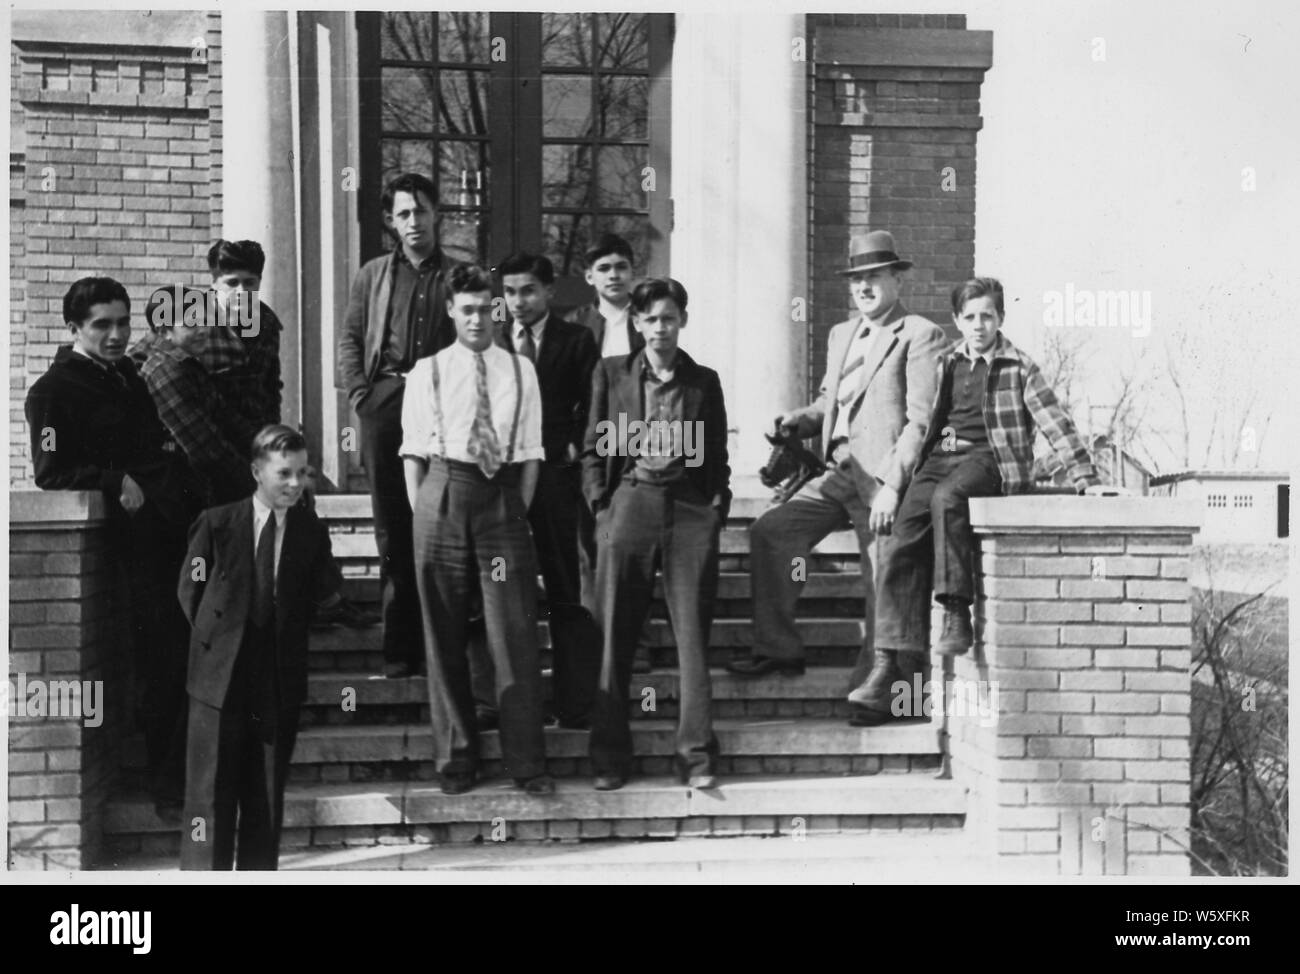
115 181
1084 627
64 625
895 104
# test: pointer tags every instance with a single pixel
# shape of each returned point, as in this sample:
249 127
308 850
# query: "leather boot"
872 702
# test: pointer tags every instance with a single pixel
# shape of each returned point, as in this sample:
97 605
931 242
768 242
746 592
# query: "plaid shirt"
1017 401
247 370
199 418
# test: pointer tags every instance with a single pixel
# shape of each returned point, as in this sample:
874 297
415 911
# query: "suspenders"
437 406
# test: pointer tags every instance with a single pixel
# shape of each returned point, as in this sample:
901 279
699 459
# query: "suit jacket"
589 317
88 431
888 416
361 342
218 605
565 361
616 391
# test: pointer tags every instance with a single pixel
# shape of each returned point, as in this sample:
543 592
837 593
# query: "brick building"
739 154
699 137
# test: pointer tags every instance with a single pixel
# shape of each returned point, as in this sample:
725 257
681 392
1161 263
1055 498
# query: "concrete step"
882 855
732 586
372 699
400 813
370 689
359 543
725 634
736 737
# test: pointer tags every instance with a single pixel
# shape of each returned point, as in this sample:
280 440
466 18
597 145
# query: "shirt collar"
260 511
433 260
648 369
92 360
611 313
538 326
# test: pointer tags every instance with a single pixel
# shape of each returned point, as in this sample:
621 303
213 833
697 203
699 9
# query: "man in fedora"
871 413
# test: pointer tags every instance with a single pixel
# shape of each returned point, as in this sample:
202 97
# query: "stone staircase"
362 772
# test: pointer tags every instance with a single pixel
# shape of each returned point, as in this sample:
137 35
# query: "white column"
739 242
259 181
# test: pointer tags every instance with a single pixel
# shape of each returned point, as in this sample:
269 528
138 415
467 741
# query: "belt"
959 445
508 475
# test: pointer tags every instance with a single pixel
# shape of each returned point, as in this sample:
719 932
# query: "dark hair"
228 256
526 263
654 289
978 287
609 243
468 279
277 438
91 291
166 307
408 182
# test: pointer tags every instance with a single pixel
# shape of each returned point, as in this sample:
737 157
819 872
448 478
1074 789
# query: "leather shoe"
542 784
763 665
874 698
457 782
610 782
344 613
957 635
702 781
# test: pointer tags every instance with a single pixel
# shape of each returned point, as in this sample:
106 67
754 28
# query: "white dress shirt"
442 429
260 513
615 340
538 329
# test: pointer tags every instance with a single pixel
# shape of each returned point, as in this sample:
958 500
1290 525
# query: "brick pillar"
64 627
1083 630
895 112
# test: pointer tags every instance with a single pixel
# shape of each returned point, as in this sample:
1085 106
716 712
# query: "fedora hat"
873 250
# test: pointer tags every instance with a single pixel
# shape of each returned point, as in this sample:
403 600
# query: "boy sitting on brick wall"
979 442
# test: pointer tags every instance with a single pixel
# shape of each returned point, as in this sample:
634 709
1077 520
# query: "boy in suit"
94 427
471 446
990 398
656 476
564 355
254 570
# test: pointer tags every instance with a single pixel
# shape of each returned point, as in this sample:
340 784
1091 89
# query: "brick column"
1083 636
64 628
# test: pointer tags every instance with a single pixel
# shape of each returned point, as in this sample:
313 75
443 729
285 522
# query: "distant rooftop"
1169 478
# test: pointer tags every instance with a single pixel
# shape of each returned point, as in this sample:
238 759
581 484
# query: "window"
541 131
1243 500
1216 500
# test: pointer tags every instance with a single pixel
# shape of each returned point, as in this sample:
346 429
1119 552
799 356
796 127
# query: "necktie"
527 345
847 390
483 445
264 575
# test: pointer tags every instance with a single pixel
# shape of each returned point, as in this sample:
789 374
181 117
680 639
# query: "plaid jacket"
1017 400
199 418
246 370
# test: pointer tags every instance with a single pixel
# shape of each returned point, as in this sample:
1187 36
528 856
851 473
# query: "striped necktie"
483 444
851 374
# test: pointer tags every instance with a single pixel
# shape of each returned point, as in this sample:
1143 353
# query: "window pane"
623 107
566 40
619 177
463 236
623 42
407 99
407 36
565 237
463 173
464 103
405 155
463 37
566 175
566 106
